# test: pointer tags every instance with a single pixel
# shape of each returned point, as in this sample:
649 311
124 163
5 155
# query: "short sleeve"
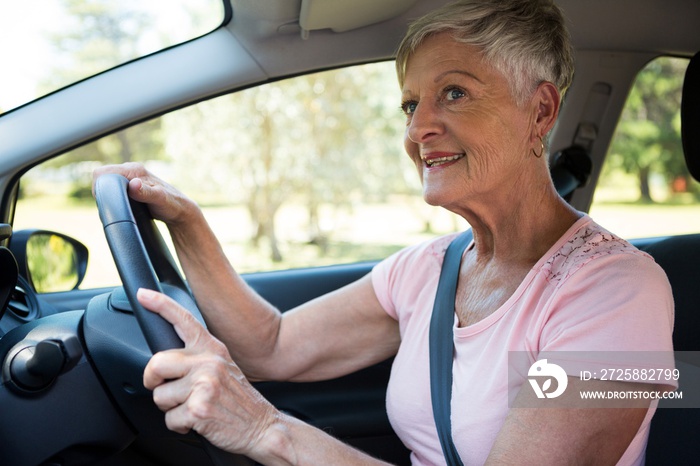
613 312
383 278
409 277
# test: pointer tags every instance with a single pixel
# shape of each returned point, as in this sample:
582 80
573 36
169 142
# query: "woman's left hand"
200 388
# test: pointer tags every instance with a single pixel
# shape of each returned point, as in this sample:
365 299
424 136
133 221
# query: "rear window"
645 189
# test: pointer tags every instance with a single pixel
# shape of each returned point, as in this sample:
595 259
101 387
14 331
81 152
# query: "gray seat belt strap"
442 345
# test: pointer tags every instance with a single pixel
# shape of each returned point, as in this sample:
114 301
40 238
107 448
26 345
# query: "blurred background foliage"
647 141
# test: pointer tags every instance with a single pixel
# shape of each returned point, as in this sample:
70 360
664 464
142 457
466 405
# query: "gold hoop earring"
541 149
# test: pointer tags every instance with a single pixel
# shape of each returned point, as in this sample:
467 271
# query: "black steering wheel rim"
136 245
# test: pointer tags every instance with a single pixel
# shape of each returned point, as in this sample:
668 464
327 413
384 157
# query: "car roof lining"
647 26
343 15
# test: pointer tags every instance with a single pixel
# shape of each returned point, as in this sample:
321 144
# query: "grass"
647 220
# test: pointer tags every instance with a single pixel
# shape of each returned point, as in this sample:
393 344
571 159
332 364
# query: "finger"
178 419
164 366
129 170
171 394
138 190
186 326
149 190
200 410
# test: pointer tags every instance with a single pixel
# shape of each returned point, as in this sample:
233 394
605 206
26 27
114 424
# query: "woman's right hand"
165 202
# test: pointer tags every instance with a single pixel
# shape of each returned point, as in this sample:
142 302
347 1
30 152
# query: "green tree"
339 112
647 139
293 140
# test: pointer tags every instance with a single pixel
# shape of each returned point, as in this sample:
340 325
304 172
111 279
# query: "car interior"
71 390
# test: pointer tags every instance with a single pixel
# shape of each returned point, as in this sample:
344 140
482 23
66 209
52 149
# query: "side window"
305 172
645 176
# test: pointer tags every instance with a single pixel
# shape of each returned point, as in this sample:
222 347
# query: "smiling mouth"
435 162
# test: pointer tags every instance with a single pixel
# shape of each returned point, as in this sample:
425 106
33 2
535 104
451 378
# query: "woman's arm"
569 431
325 338
330 336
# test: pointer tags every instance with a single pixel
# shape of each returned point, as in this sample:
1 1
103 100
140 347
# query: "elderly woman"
482 82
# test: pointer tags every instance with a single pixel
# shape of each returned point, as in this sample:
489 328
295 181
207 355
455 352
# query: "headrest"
570 169
690 117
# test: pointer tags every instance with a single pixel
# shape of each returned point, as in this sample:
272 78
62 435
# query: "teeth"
441 160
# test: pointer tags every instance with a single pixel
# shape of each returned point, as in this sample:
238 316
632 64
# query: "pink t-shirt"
590 291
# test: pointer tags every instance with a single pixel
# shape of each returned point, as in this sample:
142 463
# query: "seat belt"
442 345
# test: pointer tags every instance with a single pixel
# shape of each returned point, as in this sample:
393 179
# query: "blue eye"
454 94
409 106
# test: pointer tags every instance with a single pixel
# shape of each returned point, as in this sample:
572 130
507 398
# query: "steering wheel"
141 256
143 260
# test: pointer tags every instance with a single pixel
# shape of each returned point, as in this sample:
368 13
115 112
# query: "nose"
424 123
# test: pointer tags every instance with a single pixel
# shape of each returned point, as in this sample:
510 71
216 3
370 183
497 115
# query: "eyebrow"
462 72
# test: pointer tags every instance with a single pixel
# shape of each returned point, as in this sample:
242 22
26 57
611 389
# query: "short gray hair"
526 40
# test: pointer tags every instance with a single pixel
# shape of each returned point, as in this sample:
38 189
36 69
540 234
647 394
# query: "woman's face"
464 130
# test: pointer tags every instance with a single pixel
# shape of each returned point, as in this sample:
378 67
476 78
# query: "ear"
545 100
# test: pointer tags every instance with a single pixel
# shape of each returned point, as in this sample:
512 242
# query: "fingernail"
145 293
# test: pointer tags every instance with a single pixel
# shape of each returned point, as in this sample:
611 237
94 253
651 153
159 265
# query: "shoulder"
606 294
589 243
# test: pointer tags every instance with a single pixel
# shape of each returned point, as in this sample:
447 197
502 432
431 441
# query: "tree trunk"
272 237
125 154
644 189
264 223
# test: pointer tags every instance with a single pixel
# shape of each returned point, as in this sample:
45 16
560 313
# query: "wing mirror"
50 261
